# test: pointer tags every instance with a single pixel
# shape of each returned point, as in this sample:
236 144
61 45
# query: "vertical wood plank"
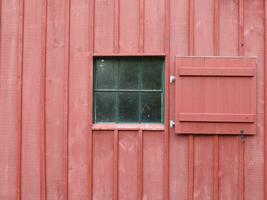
9 12
203 145
228 145
140 166
141 25
32 62
229 163
154 31
103 164
191 27
116 26
19 97
216 27
115 164
104 26
254 147
241 27
153 163
178 144
55 100
128 173
129 26
78 100
203 165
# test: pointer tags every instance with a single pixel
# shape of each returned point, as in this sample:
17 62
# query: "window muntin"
128 89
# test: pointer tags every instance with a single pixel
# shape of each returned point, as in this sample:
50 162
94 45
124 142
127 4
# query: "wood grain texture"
9 55
203 145
49 146
141 25
31 129
56 99
228 146
116 20
154 28
103 165
130 165
104 26
78 100
254 147
153 165
178 145
129 26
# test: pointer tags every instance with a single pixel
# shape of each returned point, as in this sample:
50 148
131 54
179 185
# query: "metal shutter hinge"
172 79
242 136
172 123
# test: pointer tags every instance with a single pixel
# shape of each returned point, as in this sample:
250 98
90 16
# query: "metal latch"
172 78
172 123
242 136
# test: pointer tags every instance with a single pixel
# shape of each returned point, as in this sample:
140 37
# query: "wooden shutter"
215 95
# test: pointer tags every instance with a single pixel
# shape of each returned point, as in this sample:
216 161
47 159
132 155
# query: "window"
128 89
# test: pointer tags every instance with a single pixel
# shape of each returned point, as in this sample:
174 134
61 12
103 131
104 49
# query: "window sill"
149 127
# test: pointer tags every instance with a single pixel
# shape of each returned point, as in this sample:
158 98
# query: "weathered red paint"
49 147
210 95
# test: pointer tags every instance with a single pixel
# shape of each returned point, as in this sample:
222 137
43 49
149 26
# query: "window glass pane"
106 74
128 73
151 107
151 73
105 110
128 106
122 89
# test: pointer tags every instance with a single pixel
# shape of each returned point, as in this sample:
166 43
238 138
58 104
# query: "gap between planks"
42 102
190 190
241 144
19 98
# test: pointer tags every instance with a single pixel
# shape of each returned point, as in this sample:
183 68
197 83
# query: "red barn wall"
49 148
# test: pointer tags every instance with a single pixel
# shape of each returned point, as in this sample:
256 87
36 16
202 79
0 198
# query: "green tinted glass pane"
151 107
128 73
106 73
128 106
152 73
105 110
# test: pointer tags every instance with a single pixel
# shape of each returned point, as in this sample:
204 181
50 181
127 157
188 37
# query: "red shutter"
215 95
